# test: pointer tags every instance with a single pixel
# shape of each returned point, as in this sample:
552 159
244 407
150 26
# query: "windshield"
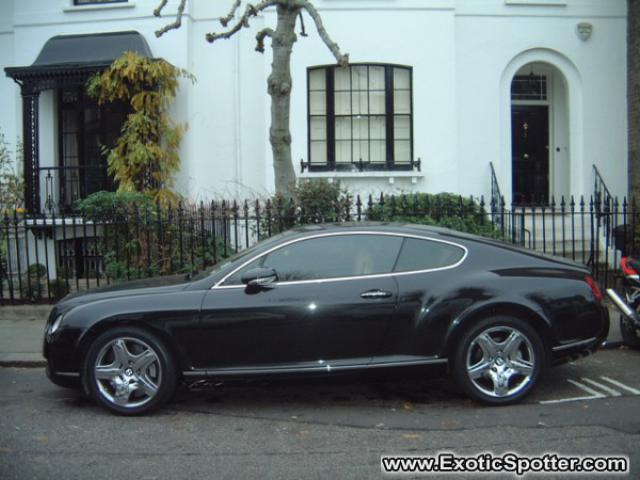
225 263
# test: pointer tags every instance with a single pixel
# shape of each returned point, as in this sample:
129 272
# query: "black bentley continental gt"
332 299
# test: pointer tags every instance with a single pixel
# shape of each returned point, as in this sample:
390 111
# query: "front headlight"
55 325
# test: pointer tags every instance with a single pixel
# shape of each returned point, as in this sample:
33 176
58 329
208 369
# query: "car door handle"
376 294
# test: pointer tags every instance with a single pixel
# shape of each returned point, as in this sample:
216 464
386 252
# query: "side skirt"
380 362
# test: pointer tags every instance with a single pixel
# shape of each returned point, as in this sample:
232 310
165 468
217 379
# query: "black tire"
629 333
509 373
137 372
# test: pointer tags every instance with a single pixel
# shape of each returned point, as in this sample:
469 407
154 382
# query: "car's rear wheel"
499 360
129 371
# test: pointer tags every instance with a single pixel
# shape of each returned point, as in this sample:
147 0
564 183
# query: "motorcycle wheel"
629 333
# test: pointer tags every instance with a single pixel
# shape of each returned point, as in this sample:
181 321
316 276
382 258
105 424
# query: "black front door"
530 154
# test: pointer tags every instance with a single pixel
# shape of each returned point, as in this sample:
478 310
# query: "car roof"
390 227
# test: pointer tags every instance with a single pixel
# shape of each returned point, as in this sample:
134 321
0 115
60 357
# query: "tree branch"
267 32
250 11
234 8
157 11
303 31
342 59
172 26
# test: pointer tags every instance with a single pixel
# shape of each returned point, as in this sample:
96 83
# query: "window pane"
318 128
360 128
377 128
343 128
425 255
402 101
360 104
377 103
378 151
401 79
338 256
342 103
318 79
359 78
402 127
343 151
360 150
319 152
342 79
376 78
317 103
402 151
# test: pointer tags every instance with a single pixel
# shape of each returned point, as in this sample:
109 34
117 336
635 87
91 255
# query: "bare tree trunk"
633 96
279 88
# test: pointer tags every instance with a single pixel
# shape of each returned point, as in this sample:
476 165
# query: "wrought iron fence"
44 257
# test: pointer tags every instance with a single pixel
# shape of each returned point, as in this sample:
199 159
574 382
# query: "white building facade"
437 91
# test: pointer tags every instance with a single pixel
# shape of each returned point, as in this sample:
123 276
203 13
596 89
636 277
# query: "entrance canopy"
71 59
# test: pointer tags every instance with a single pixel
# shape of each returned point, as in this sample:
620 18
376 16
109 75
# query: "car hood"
146 286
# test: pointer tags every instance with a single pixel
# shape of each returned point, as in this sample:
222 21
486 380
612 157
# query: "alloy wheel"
500 361
128 372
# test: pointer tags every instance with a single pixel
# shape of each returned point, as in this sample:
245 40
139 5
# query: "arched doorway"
540 159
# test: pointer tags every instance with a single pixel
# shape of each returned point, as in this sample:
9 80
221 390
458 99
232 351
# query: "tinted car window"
424 255
335 256
329 257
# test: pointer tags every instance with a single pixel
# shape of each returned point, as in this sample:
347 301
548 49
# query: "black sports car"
327 299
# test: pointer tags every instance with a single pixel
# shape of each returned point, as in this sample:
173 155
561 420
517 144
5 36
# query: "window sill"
389 175
538 3
104 6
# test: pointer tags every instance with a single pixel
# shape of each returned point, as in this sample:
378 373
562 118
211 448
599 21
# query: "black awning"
71 59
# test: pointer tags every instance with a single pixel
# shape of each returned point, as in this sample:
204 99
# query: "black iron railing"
61 187
44 256
497 200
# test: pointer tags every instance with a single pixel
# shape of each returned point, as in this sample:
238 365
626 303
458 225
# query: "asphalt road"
316 429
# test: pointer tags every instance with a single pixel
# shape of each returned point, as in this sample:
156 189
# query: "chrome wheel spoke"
500 388
480 369
522 367
122 398
147 385
107 372
512 344
120 352
143 361
487 345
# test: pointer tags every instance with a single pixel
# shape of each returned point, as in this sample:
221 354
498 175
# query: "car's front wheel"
129 371
499 360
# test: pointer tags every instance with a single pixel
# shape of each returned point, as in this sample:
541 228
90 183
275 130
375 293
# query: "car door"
330 307
427 296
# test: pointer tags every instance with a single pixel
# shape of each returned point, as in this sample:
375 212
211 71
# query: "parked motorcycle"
630 304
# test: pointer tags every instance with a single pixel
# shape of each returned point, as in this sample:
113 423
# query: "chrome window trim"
219 285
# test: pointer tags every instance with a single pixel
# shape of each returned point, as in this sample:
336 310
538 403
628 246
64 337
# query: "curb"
23 363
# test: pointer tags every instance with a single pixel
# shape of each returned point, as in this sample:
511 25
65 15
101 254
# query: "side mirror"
259 277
